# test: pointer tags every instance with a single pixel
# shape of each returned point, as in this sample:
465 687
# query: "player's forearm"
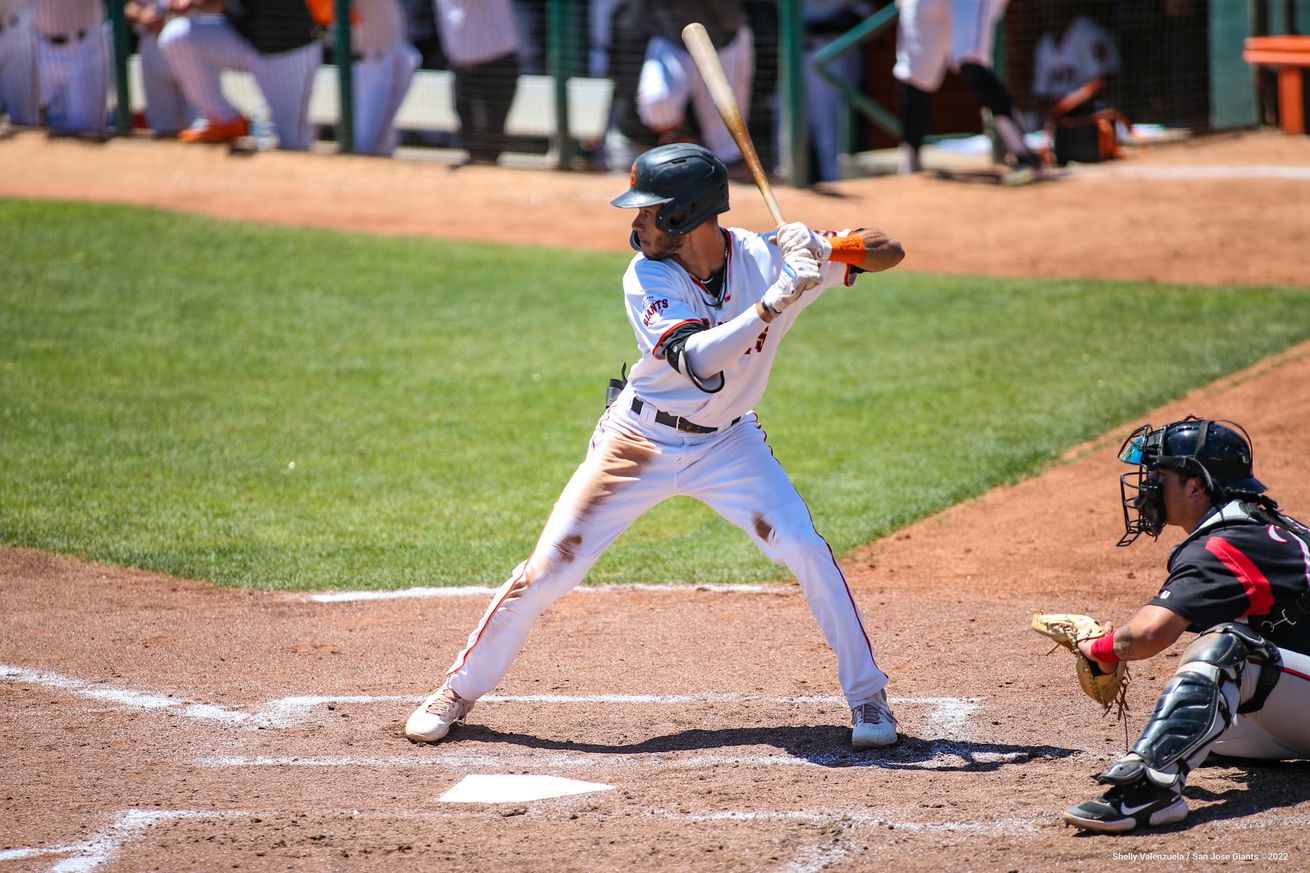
710 352
870 250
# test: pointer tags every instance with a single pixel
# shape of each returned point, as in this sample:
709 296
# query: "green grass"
161 373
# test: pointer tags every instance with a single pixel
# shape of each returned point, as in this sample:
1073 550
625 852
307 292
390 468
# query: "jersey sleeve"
1206 586
657 306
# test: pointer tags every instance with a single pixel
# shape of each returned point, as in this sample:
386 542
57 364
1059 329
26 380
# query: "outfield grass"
288 408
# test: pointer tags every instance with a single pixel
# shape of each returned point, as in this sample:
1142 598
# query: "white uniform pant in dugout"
633 464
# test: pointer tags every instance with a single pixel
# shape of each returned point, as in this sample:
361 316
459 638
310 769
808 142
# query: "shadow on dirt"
824 745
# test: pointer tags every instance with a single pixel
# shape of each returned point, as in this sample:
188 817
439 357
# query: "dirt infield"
156 723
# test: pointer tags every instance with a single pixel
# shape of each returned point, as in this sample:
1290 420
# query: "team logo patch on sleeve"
654 306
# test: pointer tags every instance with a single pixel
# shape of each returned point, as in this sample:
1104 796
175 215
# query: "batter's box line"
950 714
102 847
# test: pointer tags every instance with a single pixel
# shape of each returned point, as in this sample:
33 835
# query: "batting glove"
797 237
800 273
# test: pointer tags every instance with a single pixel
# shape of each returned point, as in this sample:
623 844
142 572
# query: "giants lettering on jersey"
653 309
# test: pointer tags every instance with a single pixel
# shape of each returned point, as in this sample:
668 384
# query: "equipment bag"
1084 130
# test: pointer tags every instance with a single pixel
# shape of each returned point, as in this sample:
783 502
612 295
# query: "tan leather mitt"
1068 630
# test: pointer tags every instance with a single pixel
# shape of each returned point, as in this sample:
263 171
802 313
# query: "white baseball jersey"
935 34
661 296
635 461
1067 61
19 96
476 31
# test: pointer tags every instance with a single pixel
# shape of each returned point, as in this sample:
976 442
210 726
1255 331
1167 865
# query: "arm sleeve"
709 352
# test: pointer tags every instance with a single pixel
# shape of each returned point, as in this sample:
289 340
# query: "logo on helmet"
687 181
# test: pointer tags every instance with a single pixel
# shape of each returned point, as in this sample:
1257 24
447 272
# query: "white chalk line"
942 753
482 591
949 712
104 846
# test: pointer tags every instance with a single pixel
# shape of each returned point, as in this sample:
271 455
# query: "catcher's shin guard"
1197 706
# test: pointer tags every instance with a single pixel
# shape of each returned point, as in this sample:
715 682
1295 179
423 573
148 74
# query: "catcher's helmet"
1216 451
687 180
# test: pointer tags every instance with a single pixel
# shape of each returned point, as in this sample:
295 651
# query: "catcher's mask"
1211 450
686 180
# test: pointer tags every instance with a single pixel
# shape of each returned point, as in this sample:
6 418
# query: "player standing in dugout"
709 306
1240 580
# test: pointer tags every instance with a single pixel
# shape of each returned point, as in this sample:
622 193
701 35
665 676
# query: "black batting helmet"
1216 451
687 180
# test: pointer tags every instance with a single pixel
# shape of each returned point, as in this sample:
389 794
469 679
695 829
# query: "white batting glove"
800 273
795 236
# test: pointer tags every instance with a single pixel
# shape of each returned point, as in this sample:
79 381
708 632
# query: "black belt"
677 422
61 38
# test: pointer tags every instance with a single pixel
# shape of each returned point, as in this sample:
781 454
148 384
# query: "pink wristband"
1102 649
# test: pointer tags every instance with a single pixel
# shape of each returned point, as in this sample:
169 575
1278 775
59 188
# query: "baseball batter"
18 88
933 35
72 53
1239 580
708 306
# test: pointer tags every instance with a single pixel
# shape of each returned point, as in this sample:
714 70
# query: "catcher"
1239 581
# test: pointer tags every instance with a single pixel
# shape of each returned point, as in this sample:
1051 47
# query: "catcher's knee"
1199 702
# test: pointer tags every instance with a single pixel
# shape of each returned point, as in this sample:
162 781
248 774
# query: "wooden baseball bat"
711 71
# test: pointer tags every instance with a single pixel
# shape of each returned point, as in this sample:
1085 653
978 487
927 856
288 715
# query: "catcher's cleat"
1125 807
437 715
217 131
873 725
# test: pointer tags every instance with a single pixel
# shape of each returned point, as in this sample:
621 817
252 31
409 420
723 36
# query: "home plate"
513 788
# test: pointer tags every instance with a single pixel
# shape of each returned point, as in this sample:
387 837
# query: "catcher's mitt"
1106 689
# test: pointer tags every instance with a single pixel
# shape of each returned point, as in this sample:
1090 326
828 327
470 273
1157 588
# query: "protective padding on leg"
1194 711
988 88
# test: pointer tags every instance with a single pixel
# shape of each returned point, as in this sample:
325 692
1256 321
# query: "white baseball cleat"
874 726
437 715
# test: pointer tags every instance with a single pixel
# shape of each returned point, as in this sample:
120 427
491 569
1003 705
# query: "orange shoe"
217 131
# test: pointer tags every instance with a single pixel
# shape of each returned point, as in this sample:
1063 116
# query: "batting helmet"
687 180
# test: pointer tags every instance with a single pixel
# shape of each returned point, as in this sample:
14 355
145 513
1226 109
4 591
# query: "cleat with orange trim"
216 131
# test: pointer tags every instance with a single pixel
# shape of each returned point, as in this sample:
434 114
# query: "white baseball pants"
199 48
18 81
934 34
1280 729
381 81
167 111
632 465
74 77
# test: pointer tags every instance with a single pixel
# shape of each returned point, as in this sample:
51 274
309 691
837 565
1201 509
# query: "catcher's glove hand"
1067 630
